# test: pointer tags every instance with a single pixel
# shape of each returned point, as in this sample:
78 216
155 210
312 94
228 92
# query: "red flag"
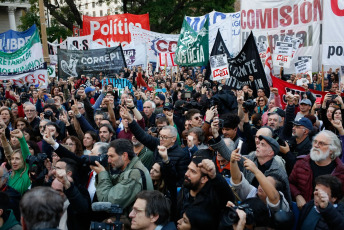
268 67
141 82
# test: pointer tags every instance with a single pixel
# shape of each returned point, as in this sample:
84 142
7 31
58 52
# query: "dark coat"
177 156
331 217
14 199
300 179
212 198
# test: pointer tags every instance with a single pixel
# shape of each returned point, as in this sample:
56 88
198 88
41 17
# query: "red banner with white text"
112 29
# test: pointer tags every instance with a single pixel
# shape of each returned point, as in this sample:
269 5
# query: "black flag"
246 63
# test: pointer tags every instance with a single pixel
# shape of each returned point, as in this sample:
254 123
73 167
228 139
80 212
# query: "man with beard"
130 177
323 159
159 101
204 188
106 133
145 155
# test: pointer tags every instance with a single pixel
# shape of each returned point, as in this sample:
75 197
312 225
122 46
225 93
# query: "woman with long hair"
74 145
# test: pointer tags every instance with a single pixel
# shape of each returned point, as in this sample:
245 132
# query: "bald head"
264 132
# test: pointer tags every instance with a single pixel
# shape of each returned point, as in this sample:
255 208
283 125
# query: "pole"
43 32
322 77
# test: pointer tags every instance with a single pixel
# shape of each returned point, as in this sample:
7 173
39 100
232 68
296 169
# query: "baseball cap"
279 111
89 89
306 101
272 142
168 106
161 97
304 122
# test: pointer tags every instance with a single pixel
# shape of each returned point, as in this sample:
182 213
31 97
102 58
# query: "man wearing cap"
305 108
90 92
159 101
299 143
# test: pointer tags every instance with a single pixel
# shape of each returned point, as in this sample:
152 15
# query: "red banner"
285 87
113 28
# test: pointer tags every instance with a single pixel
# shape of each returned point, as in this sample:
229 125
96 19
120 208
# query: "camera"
334 96
207 85
48 114
249 105
110 208
102 159
230 216
38 159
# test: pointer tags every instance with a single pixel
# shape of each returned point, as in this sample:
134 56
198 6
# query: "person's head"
168 136
262 101
337 115
260 93
230 126
274 121
326 147
150 209
89 139
197 134
69 165
329 184
74 145
159 99
81 107
21 123
120 153
305 105
42 126
106 132
98 117
17 161
272 104
195 118
6 115
28 134
256 119
99 148
30 111
334 87
329 112
266 149
148 108
54 129
155 172
302 127
41 208
4 175
195 218
277 181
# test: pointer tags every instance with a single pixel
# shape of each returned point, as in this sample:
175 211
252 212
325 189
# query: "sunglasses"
197 118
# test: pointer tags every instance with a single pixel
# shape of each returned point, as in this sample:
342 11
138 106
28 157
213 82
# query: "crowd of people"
175 151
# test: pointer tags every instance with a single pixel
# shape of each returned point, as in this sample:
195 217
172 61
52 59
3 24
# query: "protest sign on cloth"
167 59
284 48
135 55
246 63
285 87
113 28
28 57
78 43
227 23
192 48
119 83
219 66
268 66
295 41
76 62
155 42
332 33
11 40
273 20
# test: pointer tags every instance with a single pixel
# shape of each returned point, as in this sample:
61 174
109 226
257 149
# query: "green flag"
193 47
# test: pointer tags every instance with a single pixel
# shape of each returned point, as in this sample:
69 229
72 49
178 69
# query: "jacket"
177 156
331 217
169 226
301 178
212 198
123 187
11 223
15 198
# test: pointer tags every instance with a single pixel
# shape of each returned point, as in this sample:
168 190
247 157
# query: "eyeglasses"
197 118
261 100
136 211
80 107
29 110
42 126
320 143
165 137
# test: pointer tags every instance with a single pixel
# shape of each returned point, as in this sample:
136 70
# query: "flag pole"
43 32
322 78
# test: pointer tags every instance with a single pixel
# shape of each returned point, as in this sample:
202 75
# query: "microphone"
101 206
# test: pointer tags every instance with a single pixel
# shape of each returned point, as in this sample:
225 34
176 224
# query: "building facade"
10 13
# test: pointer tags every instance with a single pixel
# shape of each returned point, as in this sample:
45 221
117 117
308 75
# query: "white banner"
284 48
332 34
135 55
38 78
219 67
155 42
227 23
303 66
272 20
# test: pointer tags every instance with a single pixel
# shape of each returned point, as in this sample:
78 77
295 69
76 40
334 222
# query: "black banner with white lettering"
246 63
77 62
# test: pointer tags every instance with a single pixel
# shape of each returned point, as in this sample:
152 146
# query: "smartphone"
239 146
318 100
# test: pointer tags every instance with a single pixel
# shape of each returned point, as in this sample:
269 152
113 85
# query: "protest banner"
113 28
28 57
285 87
332 35
192 47
268 66
119 83
281 60
303 66
167 59
135 55
295 41
11 40
273 20
246 63
78 43
76 62
155 42
227 23
219 67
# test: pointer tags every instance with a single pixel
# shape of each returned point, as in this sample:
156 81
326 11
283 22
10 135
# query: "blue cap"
304 122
